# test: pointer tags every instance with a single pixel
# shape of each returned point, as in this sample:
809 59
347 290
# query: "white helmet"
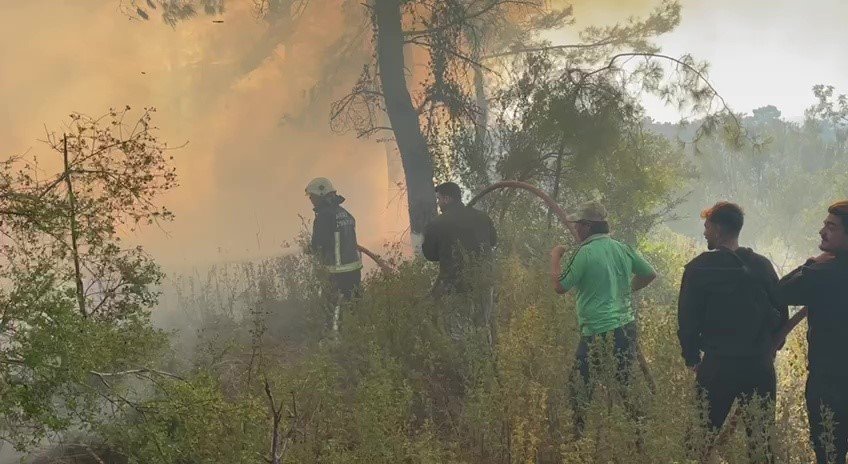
319 187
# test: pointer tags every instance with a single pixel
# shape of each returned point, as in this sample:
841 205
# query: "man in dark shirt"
455 238
729 311
821 285
461 241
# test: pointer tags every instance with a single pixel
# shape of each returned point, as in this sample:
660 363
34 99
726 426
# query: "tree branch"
277 415
678 61
454 53
469 16
72 213
518 51
104 375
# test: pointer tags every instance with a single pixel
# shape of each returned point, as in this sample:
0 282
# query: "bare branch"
470 16
104 375
453 53
679 62
276 415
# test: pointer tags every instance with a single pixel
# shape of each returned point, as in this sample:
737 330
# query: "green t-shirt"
601 271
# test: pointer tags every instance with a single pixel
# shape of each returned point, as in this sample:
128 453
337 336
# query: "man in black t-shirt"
821 285
728 310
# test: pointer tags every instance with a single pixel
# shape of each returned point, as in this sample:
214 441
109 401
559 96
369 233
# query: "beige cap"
589 211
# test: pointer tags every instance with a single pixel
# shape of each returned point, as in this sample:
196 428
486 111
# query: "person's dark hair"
598 227
840 208
729 216
451 190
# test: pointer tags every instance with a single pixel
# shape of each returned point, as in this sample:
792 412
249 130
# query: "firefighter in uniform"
334 243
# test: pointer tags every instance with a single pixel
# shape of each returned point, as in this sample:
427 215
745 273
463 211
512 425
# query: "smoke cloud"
255 117
256 134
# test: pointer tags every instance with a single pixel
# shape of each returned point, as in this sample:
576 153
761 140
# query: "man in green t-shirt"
605 273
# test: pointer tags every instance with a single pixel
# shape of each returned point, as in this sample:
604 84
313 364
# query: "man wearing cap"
334 242
604 273
821 285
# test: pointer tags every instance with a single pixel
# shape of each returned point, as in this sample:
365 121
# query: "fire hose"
382 264
559 212
563 217
505 184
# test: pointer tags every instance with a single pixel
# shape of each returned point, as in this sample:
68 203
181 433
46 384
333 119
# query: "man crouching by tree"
605 273
821 284
728 310
334 243
461 240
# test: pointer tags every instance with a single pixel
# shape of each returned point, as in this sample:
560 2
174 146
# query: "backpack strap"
765 287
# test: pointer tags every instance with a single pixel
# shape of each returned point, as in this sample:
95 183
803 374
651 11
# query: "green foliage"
578 139
784 185
49 384
257 363
668 252
634 34
188 422
829 107
75 301
392 386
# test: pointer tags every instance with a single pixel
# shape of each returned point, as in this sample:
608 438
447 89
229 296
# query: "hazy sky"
243 172
764 51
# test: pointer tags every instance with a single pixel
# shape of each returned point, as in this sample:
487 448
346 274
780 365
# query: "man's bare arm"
640 282
556 268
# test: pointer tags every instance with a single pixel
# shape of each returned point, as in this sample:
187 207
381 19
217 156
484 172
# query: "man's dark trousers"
723 379
624 348
831 393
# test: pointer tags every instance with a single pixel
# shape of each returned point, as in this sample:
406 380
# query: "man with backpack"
728 311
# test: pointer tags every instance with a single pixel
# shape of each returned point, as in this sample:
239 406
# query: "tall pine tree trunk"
415 156
481 161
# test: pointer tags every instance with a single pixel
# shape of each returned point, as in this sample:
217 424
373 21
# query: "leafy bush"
392 386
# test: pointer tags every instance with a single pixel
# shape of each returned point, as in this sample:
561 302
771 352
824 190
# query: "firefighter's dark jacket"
458 233
334 237
823 289
728 305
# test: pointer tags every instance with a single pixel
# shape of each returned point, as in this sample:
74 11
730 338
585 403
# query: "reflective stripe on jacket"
334 237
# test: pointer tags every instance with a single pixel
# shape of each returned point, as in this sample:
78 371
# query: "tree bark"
555 193
72 203
482 120
481 162
276 417
415 155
